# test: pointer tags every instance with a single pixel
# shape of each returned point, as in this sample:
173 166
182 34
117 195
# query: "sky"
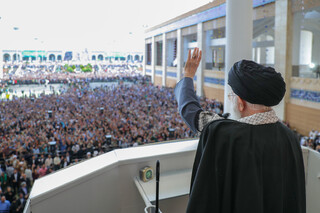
106 25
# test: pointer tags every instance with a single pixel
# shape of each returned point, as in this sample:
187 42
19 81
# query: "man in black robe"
250 164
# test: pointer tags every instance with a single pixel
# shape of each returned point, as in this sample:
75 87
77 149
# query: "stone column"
144 61
200 72
179 54
296 39
239 32
153 59
283 49
1 64
208 56
164 59
263 53
315 58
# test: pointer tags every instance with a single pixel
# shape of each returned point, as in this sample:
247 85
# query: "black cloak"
243 168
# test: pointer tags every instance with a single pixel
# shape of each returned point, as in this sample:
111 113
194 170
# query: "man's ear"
241 104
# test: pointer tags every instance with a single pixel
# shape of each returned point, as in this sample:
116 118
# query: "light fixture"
312 65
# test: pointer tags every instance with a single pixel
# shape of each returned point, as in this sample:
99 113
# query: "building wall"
303 111
157 80
303 119
171 82
303 107
214 93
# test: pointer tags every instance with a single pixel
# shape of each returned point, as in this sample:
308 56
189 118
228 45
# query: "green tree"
87 69
70 69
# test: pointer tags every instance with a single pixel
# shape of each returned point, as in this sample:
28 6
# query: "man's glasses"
231 94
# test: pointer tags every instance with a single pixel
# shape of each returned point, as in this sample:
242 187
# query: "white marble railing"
107 183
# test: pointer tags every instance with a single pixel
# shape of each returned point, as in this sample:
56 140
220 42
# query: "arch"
59 58
16 57
52 57
32 58
129 57
25 58
100 57
93 58
6 57
137 58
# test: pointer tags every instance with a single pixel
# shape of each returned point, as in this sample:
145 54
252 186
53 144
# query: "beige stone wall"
171 69
303 119
158 38
307 84
172 34
264 11
214 93
214 74
214 24
307 4
311 84
189 30
157 80
170 82
158 67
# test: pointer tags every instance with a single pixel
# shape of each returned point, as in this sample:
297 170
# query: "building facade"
59 55
286 36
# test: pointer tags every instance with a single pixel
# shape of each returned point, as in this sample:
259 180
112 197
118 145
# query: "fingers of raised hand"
194 55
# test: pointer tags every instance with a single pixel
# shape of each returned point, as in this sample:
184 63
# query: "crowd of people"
42 135
312 140
33 72
65 79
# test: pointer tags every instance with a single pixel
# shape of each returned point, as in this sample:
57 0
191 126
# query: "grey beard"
235 113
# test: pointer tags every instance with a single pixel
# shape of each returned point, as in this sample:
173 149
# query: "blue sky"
77 24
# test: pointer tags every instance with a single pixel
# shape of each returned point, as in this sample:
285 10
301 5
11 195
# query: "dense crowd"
41 135
35 71
312 140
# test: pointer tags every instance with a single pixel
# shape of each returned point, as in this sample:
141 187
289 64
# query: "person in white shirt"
56 162
48 161
28 173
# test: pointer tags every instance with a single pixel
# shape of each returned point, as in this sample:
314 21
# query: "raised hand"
192 63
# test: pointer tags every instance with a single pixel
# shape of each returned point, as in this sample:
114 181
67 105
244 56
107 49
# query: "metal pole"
157 185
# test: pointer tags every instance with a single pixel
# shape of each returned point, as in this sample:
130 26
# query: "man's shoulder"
223 129
227 126
225 123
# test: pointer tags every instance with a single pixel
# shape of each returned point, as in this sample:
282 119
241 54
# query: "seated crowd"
41 135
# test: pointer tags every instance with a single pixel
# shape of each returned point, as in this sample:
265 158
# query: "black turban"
256 84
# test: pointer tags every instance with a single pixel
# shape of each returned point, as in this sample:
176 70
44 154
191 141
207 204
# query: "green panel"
34 53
